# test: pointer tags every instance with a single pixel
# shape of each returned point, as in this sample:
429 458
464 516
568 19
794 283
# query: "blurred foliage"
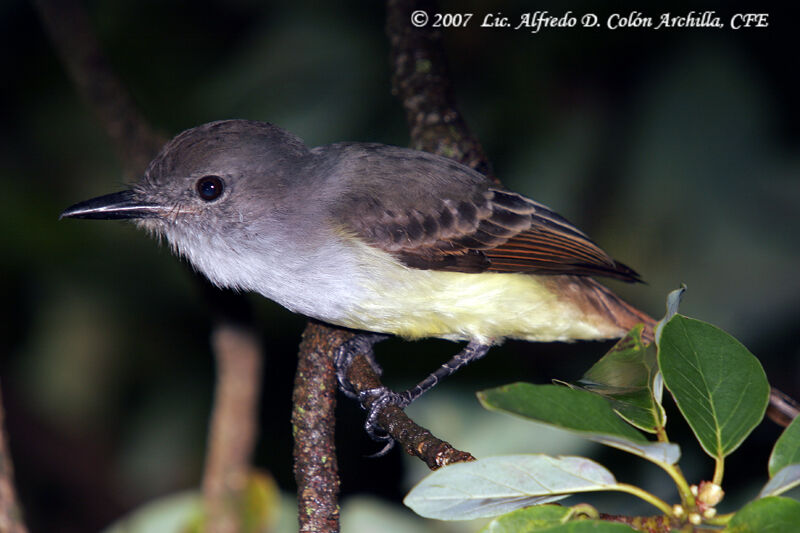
676 150
261 508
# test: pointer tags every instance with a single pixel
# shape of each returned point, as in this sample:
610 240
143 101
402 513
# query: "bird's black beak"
119 205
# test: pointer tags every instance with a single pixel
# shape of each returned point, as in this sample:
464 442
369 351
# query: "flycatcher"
372 237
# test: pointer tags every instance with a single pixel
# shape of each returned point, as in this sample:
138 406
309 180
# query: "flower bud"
710 493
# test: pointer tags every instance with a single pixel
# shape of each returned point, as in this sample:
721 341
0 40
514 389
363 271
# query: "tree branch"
313 421
421 80
234 422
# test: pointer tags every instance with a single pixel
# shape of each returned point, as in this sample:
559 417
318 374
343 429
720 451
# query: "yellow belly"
487 307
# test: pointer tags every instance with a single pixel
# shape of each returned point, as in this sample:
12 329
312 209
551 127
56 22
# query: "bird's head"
211 190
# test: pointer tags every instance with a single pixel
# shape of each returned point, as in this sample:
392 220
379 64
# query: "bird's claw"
374 401
343 358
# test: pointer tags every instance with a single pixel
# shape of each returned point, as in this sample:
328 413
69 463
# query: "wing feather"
505 232
449 217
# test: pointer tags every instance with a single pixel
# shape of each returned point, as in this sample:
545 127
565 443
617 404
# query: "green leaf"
784 479
497 485
768 515
589 526
719 386
626 376
534 518
787 448
550 519
578 411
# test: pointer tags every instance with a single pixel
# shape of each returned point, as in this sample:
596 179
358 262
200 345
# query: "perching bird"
372 237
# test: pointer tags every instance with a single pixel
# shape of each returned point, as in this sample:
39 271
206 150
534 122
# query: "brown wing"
551 245
433 213
497 231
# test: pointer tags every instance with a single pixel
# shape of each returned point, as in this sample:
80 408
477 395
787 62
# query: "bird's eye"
210 188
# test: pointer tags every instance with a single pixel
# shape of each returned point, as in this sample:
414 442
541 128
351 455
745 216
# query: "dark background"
676 150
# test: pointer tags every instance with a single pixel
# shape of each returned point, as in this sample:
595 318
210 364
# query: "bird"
376 238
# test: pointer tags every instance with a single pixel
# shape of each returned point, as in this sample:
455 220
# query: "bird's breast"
344 281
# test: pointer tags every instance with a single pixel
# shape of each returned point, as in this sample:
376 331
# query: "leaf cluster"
720 389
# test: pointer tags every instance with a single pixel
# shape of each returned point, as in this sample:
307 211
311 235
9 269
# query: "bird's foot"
374 401
359 345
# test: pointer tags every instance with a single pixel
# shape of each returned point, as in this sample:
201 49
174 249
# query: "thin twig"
414 439
313 423
782 408
73 37
234 420
11 520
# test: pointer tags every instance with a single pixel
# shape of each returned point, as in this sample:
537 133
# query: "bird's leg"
384 397
360 344
471 352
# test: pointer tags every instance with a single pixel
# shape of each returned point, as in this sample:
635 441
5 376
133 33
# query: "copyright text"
537 21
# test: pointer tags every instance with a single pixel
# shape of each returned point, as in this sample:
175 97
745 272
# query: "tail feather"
619 311
596 300
782 409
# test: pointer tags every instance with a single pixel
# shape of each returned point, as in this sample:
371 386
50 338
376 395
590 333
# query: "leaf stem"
719 520
675 472
655 501
719 470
